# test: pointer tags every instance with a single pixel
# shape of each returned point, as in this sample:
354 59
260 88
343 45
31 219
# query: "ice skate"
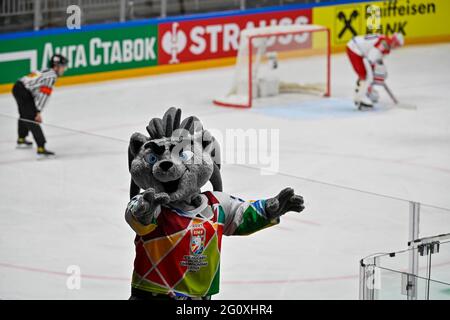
43 153
23 143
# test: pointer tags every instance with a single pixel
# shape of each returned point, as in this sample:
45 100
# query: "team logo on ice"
173 42
198 240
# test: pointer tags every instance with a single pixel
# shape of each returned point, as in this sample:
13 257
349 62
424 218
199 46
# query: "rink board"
153 46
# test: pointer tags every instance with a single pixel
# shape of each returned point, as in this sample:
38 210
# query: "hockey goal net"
279 60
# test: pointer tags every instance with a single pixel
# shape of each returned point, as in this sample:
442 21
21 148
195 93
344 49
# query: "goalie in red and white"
366 55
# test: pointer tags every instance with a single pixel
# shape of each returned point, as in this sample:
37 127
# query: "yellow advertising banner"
420 21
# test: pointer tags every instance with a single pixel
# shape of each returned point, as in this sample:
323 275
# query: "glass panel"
433 221
439 290
392 286
142 9
391 277
389 285
398 261
181 7
440 263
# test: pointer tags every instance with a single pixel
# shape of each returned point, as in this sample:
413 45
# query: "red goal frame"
250 69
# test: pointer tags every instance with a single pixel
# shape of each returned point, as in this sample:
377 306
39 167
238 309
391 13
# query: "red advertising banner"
214 38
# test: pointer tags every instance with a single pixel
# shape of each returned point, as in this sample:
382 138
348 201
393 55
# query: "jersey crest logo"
198 235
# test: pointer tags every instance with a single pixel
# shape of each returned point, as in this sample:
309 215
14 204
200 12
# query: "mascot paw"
284 202
146 205
154 198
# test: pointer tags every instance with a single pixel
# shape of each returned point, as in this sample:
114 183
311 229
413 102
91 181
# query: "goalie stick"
392 96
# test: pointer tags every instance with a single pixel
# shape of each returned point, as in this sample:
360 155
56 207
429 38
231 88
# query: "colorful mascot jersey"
179 252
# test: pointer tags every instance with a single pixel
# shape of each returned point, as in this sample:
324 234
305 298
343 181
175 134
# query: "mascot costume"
179 228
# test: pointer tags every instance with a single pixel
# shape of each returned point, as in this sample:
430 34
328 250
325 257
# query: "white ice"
69 211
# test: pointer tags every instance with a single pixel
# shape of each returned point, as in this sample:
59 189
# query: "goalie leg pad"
362 96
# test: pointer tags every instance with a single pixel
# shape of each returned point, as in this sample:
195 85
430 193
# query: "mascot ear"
191 124
216 179
171 121
137 140
211 145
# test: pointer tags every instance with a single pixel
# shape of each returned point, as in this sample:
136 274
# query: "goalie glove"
379 73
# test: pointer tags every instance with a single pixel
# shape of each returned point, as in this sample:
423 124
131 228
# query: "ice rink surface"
70 211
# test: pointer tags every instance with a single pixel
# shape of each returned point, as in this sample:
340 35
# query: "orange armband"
46 90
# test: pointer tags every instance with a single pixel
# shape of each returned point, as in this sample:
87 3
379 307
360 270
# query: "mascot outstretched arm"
179 228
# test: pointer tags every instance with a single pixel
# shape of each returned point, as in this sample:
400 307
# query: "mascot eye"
186 155
151 158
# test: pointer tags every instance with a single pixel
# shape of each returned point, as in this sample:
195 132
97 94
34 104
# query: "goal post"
278 60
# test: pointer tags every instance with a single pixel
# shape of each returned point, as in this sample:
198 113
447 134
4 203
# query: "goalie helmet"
397 40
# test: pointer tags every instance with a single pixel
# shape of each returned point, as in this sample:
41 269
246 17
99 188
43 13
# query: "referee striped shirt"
40 84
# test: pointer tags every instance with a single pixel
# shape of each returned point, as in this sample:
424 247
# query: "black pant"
27 111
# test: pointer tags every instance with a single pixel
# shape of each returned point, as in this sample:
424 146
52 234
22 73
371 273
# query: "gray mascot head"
178 157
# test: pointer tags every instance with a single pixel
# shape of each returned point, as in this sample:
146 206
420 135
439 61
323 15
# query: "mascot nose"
166 165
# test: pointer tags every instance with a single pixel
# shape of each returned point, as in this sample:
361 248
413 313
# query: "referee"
31 93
